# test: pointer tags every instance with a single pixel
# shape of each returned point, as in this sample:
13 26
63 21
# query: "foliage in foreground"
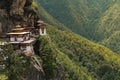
14 64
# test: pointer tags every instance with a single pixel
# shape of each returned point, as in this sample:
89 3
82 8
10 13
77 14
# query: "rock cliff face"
15 12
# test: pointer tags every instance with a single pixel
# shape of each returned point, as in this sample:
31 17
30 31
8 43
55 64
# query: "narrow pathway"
37 64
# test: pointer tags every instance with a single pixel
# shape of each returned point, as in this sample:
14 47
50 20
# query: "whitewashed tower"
42 27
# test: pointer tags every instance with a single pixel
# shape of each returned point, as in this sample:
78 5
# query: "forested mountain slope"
74 57
109 22
80 16
113 42
96 20
98 61
108 28
94 60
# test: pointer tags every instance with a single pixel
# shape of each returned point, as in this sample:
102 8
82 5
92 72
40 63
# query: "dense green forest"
78 15
94 19
93 57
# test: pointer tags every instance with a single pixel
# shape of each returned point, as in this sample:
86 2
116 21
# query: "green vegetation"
34 5
109 28
14 63
96 20
81 16
113 42
109 22
3 77
52 59
43 49
85 53
92 58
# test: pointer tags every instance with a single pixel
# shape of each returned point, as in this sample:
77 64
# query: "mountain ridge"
94 20
76 48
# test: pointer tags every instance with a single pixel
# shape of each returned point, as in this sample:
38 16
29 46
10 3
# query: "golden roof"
40 22
18 28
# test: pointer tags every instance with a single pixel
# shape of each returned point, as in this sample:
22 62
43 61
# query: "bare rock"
15 12
17 8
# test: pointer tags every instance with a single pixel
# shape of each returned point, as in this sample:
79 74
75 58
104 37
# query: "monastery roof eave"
22 42
28 41
17 33
18 29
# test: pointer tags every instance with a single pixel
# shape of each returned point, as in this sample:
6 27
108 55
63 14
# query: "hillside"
87 54
113 42
88 60
56 64
80 16
109 22
108 28
93 57
94 19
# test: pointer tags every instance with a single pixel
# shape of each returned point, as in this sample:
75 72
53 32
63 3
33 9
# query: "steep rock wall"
15 12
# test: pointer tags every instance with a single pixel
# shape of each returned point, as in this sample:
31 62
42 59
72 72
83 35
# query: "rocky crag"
15 12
